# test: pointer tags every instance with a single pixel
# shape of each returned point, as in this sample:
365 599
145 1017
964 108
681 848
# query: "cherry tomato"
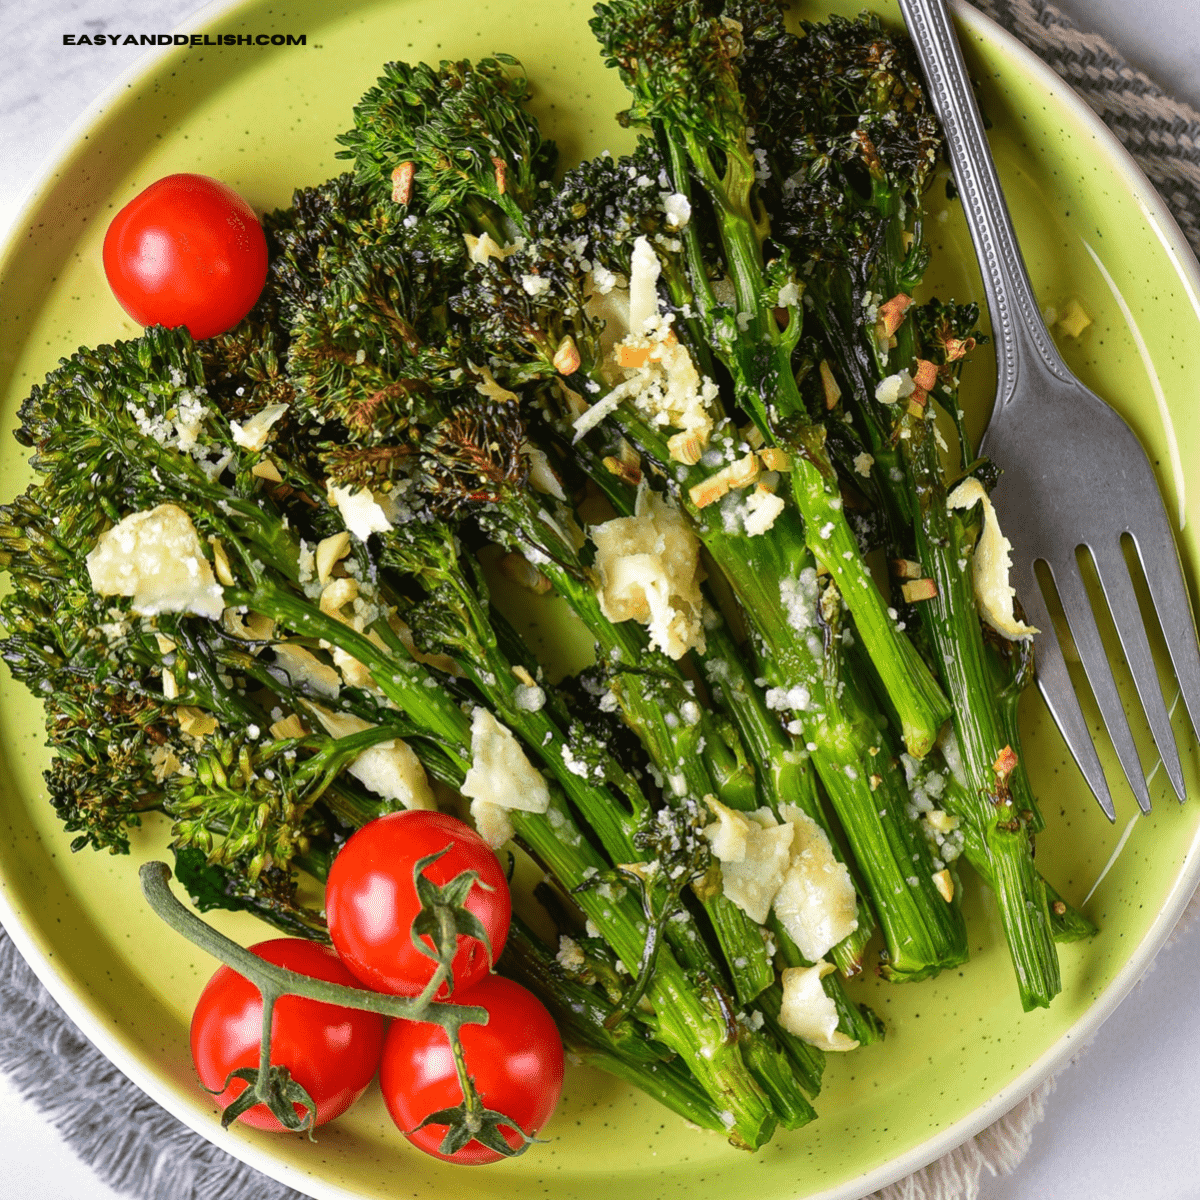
332 1052
516 1061
370 900
186 251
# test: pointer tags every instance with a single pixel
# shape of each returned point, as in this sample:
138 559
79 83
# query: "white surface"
1122 1124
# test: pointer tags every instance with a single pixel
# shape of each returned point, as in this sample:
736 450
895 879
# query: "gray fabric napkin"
142 1151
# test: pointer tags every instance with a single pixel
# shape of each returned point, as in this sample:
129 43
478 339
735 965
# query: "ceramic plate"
959 1051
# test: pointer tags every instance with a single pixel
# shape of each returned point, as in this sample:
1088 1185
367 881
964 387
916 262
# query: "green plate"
959 1052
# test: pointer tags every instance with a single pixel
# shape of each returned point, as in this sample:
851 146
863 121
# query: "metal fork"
1074 473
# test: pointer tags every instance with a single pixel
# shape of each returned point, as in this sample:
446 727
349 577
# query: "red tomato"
370 900
186 251
332 1052
516 1060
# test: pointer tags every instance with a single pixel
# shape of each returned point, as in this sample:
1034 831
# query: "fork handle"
1020 332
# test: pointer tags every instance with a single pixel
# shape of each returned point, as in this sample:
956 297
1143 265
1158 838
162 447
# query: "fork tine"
1160 561
1054 683
1078 610
1122 603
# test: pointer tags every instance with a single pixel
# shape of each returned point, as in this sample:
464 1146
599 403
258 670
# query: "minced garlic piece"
1073 320
816 902
390 769
330 551
649 566
501 777
808 1012
991 565
155 557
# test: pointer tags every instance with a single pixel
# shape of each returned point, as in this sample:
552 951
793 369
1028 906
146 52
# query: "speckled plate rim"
75 1005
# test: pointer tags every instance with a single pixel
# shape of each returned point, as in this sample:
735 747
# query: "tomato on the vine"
515 1060
186 251
371 900
331 1051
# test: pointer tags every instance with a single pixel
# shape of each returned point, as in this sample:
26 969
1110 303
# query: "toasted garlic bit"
165 645
906 568
1073 320
521 571
829 386
330 551
918 589
195 722
944 882
290 727
739 474
402 182
522 673
1005 764
649 568
566 358
221 568
775 459
926 375
169 686
266 469
891 314
686 448
991 565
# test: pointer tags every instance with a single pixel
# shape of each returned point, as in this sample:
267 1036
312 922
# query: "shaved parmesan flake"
500 778
253 435
808 1012
480 249
649 566
754 852
992 563
155 557
644 271
390 769
816 902
541 474
359 510
303 667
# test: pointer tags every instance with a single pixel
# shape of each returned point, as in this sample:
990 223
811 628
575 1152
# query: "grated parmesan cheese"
500 778
992 563
390 769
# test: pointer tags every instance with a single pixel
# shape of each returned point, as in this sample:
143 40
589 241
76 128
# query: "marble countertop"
1129 1108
